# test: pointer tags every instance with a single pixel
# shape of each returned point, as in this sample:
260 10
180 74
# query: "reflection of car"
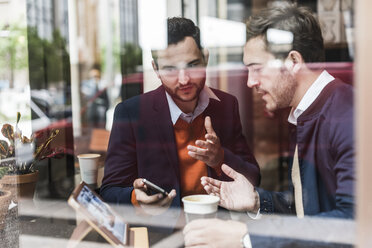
39 119
45 119
52 105
132 85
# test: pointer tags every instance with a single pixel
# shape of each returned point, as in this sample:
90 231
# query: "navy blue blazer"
325 138
142 145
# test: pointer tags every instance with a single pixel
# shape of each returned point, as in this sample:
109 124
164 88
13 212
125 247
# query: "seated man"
322 173
166 135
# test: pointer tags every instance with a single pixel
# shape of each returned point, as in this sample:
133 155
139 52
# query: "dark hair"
300 21
178 29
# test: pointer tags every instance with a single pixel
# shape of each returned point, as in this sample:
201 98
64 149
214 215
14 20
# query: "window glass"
110 78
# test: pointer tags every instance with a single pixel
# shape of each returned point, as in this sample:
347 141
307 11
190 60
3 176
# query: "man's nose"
183 77
252 81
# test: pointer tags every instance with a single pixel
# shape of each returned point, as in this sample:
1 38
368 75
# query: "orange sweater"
191 170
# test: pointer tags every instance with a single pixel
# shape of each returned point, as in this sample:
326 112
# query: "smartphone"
155 188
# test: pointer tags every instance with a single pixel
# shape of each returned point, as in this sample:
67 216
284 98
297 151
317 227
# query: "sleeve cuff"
134 199
255 216
266 201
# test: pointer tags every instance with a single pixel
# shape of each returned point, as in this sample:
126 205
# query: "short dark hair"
300 21
178 29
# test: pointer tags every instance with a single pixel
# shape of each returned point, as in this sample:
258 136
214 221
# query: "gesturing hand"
152 204
238 195
209 150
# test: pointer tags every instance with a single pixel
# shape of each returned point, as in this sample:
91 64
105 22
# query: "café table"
50 223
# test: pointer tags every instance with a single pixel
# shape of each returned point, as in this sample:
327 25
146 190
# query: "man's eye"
193 65
170 69
257 70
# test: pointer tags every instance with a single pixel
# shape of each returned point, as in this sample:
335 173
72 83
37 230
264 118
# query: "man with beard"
321 180
176 134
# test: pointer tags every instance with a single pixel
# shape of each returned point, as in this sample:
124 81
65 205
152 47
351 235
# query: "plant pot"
5 197
21 186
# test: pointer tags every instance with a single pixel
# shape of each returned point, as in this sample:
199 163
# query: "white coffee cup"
89 167
200 206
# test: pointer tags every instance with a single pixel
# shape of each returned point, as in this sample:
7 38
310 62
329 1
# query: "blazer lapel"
163 125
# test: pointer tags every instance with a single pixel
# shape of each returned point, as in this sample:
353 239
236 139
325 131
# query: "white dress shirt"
311 94
203 102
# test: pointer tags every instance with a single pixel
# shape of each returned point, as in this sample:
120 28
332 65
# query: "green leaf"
18 117
3 171
26 140
8 132
3 148
43 147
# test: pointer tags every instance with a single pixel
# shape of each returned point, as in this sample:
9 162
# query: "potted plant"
5 197
21 176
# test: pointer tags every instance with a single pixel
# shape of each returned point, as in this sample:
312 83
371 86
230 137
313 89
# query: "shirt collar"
310 96
203 102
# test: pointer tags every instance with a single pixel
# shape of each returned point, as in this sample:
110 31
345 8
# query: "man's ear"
205 55
294 62
155 67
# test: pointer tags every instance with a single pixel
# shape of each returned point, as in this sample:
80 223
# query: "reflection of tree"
48 60
131 57
13 50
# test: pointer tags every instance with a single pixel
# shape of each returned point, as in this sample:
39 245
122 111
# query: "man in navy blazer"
322 171
143 143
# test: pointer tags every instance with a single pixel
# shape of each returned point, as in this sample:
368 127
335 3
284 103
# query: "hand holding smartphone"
154 187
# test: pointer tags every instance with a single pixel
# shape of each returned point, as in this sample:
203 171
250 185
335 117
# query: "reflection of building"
238 10
87 34
49 69
47 16
130 52
40 15
61 18
128 22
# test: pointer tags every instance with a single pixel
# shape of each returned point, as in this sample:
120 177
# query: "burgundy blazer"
142 145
